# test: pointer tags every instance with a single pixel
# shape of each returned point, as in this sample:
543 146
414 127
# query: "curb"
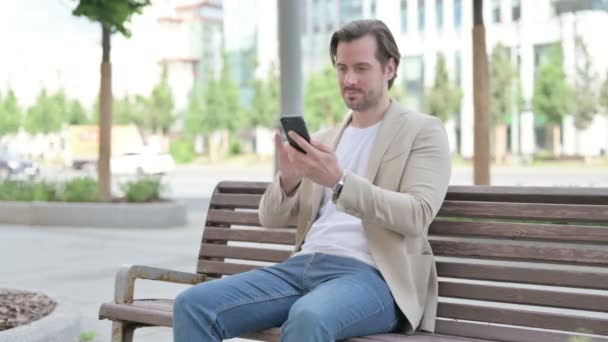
61 325
161 214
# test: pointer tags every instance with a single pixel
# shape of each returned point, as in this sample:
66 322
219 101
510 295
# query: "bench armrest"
124 284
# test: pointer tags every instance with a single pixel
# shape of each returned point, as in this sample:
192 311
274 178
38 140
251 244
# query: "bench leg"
122 332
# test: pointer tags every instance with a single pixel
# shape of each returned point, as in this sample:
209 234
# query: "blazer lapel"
391 124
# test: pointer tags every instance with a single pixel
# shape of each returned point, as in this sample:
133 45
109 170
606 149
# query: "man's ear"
390 68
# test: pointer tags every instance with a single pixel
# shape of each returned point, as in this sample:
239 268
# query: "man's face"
363 80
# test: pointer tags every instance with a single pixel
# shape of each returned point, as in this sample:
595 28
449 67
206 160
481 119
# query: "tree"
77 115
585 94
502 75
160 106
552 97
444 98
226 105
10 113
603 98
323 103
47 115
265 103
112 15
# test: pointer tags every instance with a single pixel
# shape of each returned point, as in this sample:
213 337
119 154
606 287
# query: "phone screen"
296 124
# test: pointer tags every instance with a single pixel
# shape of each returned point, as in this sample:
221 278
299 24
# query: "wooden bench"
515 264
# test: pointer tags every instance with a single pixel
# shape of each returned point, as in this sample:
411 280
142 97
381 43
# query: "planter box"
160 214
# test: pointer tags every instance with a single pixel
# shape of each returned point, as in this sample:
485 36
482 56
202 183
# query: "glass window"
516 10
496 11
439 14
404 16
458 67
330 10
316 16
420 15
373 8
413 81
350 10
457 13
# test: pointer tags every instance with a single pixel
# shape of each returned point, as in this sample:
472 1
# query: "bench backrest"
517 257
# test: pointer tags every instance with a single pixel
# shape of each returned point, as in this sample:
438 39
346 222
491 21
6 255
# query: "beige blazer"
406 181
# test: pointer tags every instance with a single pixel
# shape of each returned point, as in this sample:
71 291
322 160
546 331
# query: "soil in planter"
21 307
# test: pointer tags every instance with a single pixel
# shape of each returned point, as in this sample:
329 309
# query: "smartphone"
296 124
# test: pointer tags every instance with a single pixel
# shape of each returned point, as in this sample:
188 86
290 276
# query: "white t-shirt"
336 232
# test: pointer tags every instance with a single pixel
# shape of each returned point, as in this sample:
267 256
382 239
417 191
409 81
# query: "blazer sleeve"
424 183
277 210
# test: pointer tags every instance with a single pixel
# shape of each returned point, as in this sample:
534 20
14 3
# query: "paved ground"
78 264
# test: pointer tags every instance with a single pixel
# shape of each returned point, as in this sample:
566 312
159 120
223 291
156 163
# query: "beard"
359 100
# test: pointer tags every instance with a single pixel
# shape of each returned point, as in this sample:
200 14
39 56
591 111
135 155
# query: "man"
363 197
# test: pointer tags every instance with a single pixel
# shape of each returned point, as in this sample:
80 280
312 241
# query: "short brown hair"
387 47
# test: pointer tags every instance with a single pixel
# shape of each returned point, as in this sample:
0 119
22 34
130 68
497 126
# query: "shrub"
145 189
182 150
82 189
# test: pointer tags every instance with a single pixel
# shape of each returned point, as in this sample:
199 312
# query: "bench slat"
504 333
496 293
527 275
222 268
234 201
587 255
515 230
229 217
242 187
245 253
140 311
528 194
526 211
526 318
246 235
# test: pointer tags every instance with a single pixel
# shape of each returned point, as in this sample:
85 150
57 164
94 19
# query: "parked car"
13 166
142 163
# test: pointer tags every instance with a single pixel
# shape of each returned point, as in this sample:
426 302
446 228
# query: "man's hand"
319 164
290 174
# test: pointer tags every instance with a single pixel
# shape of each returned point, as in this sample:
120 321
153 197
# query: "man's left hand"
319 164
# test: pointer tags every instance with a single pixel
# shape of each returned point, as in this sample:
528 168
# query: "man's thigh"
244 302
349 306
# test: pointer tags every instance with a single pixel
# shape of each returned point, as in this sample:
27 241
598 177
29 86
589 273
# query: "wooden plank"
247 235
222 268
234 201
526 318
136 313
528 194
242 187
526 211
505 333
506 294
228 217
519 231
527 275
580 255
244 253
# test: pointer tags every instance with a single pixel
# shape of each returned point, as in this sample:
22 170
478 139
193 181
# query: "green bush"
44 191
182 150
145 189
82 189
19 191
235 147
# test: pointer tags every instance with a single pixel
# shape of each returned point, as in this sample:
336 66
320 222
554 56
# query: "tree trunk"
557 144
105 119
500 144
481 157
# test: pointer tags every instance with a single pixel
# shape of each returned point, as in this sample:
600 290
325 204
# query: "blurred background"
195 100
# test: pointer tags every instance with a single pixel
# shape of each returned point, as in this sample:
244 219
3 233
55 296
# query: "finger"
320 146
302 142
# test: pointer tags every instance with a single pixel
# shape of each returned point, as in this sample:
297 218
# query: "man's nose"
350 79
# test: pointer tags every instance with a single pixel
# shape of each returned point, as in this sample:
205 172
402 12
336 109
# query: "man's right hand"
290 175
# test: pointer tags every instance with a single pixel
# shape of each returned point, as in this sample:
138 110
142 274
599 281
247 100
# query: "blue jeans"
312 297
